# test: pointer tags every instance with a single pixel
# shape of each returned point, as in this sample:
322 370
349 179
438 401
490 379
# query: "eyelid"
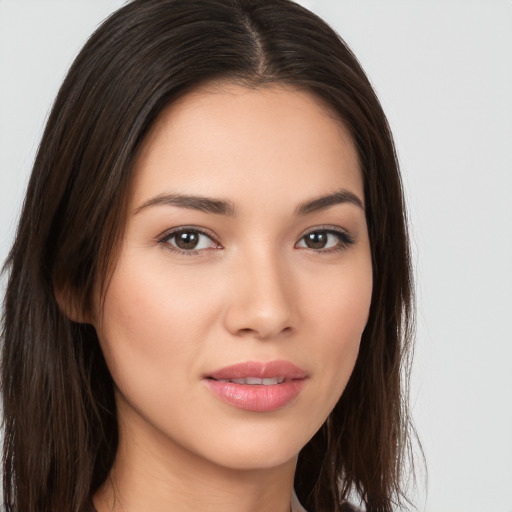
345 238
164 238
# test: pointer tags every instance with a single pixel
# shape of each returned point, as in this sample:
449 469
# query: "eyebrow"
203 204
321 203
221 207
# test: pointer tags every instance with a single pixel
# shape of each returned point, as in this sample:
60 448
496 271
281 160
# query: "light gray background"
443 70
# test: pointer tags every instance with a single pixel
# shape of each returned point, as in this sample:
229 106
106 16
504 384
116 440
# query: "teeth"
248 380
256 381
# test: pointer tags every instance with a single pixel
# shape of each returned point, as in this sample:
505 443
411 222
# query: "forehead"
232 140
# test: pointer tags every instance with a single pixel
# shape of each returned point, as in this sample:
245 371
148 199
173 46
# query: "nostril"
246 330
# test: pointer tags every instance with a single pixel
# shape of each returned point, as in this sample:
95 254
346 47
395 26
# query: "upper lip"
263 370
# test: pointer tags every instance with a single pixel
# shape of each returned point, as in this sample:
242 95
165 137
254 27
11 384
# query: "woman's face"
234 315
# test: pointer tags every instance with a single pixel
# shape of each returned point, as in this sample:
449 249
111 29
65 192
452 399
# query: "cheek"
341 299
152 319
341 314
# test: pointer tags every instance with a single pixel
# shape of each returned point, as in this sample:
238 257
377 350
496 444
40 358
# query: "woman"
209 296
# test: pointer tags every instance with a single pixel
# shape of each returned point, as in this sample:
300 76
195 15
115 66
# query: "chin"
256 450
257 459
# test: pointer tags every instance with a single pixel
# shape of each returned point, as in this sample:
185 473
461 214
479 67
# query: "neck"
155 474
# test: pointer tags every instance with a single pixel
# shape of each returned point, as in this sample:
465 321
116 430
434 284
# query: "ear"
70 305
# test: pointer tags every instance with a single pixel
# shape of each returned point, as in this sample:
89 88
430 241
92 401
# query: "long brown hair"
60 422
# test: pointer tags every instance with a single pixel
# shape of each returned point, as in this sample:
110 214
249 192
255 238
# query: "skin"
252 290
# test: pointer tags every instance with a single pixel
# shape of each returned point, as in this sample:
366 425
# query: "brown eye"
188 240
325 240
316 240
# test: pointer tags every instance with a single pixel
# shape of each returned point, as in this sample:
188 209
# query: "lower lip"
256 398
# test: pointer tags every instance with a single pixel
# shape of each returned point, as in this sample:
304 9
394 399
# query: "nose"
261 301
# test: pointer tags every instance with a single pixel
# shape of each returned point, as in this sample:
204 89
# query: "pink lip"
257 397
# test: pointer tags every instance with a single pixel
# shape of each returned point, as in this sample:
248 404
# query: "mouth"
257 386
255 381
258 373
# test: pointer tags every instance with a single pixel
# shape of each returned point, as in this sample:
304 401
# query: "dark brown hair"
60 422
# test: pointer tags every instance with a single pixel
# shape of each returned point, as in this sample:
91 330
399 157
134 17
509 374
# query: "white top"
296 506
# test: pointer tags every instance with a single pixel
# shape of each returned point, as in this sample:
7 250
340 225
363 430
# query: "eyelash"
345 240
164 240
